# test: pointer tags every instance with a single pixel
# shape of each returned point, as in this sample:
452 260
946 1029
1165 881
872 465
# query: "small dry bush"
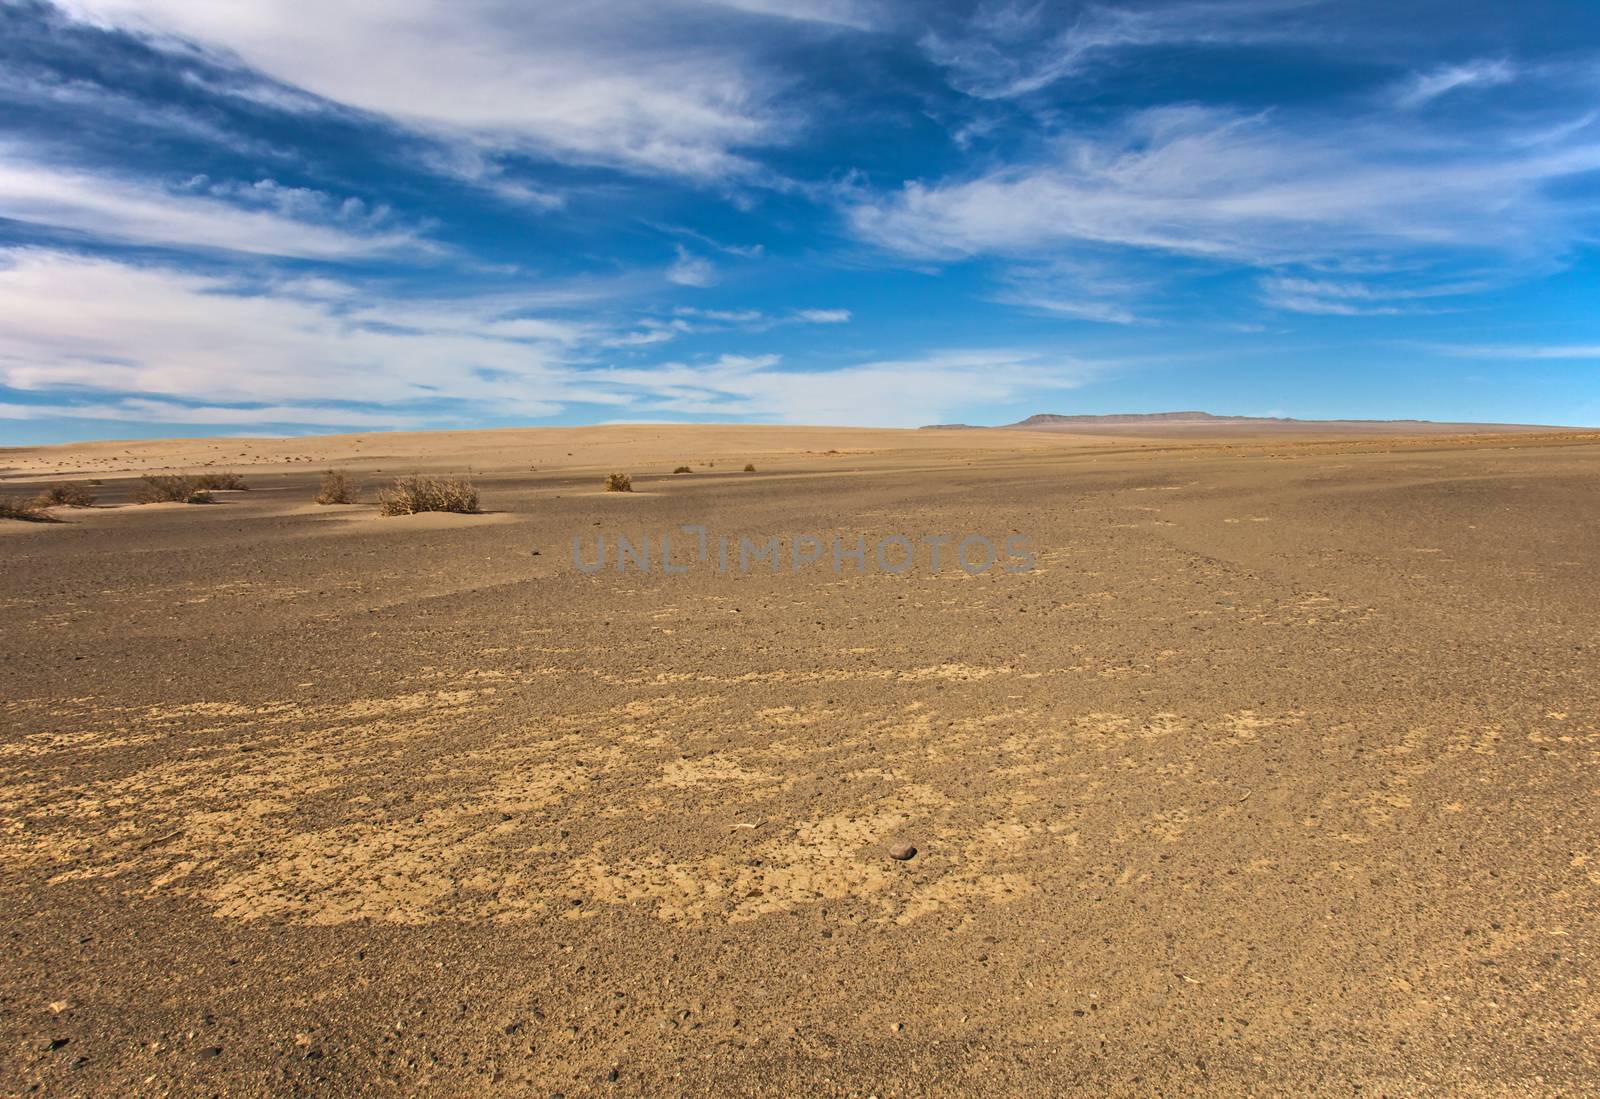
218 481
750 467
619 482
336 488
683 469
66 496
19 507
410 495
171 488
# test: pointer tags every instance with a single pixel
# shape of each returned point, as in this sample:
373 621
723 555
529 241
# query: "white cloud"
1081 309
1527 352
1090 289
689 321
691 270
88 98
1209 183
1009 48
640 84
145 411
1322 298
95 338
262 217
1355 298
1424 88
97 325
857 14
900 393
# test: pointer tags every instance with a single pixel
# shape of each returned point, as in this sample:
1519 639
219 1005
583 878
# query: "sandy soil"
1278 775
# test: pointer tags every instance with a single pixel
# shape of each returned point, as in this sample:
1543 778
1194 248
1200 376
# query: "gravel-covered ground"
1278 774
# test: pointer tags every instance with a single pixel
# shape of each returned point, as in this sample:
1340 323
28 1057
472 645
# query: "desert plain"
1276 775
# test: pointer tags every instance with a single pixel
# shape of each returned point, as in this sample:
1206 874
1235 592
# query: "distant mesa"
1192 421
1051 419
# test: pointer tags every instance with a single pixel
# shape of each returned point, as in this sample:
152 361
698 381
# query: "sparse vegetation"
417 493
66 495
219 481
19 507
749 467
336 488
683 469
619 482
171 488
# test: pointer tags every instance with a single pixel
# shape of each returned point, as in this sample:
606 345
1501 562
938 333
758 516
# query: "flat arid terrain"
1278 774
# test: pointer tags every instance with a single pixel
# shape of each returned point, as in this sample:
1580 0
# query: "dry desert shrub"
171 488
683 469
410 495
65 495
619 482
218 481
20 507
336 488
750 467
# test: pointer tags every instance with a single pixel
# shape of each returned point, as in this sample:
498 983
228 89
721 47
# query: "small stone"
902 852
210 1053
58 1006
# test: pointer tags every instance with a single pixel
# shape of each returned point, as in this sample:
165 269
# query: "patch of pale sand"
368 522
710 771
185 824
65 518
329 511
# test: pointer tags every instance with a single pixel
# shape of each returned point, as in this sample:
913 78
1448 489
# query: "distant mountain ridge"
1044 419
1051 421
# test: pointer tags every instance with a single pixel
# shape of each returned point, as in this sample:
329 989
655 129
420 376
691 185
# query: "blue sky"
267 217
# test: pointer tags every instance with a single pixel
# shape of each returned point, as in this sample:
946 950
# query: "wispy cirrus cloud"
1089 288
855 14
263 216
689 321
1424 88
1528 352
142 410
887 393
90 326
1249 188
1009 48
1359 298
624 83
